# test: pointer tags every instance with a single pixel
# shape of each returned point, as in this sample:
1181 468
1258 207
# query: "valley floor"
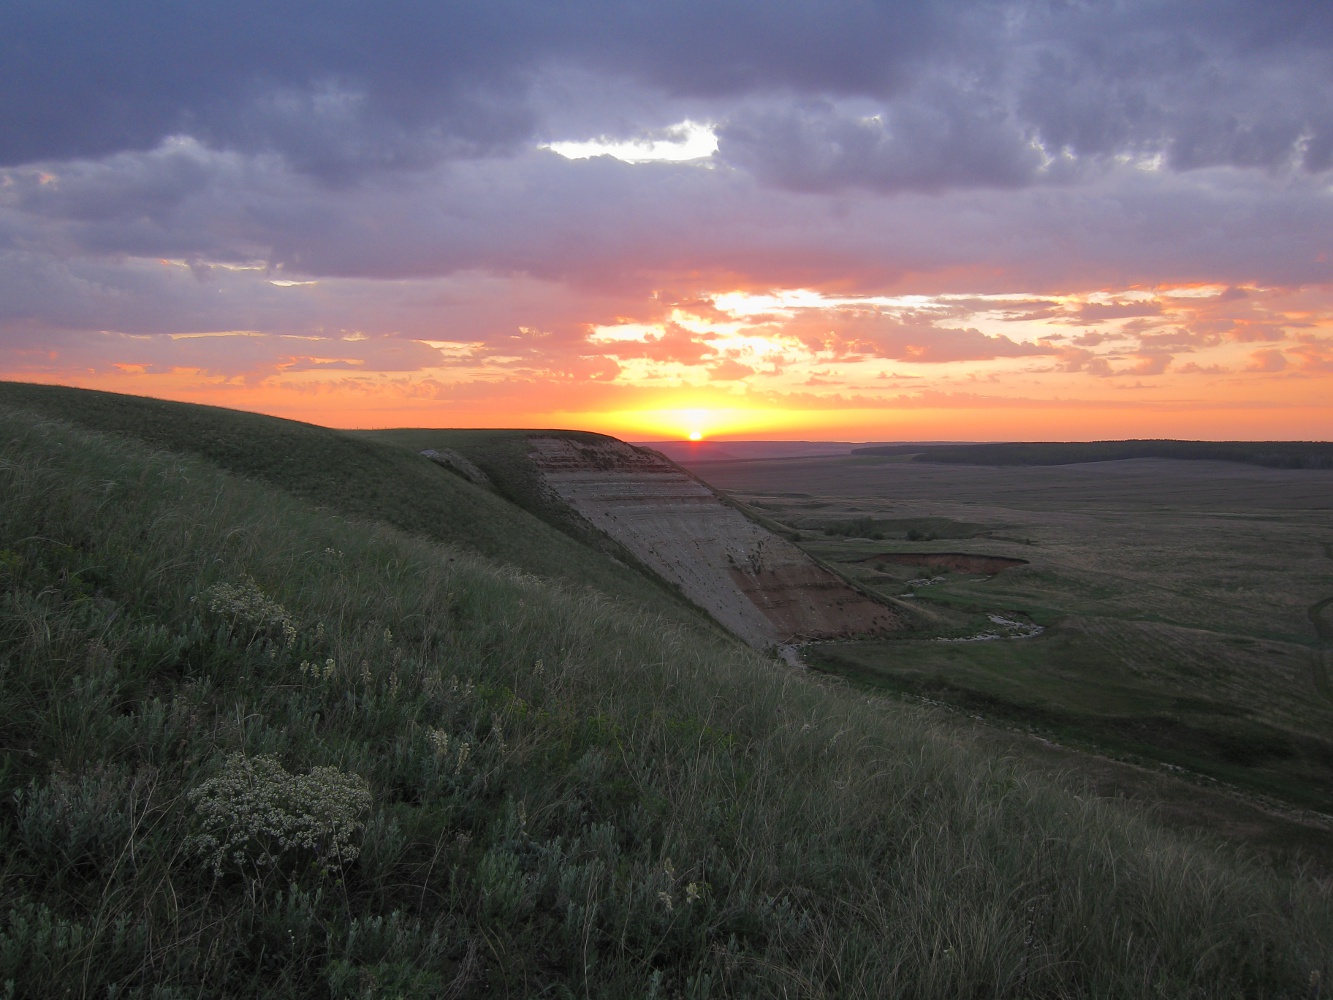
1181 608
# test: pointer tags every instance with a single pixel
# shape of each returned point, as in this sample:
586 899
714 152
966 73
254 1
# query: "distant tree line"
1274 454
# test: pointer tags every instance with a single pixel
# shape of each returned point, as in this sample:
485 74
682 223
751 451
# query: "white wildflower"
247 608
255 814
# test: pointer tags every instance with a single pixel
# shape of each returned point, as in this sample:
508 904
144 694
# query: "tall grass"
567 797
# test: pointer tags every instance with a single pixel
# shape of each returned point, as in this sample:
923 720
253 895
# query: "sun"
696 435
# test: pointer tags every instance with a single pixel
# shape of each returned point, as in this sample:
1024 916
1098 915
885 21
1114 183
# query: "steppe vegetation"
1178 602
358 476
252 746
503 456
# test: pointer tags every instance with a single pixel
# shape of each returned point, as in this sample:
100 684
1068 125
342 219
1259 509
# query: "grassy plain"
251 746
1274 454
1178 601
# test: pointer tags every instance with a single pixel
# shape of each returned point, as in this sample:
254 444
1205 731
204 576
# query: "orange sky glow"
1191 361
830 220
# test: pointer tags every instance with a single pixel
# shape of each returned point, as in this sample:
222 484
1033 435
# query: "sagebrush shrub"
86 818
248 609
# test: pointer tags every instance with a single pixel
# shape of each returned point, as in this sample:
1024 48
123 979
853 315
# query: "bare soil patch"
758 585
957 562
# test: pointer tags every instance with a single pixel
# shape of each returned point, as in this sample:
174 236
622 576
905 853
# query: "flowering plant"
257 815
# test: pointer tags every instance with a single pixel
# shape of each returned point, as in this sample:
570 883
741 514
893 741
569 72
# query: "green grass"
1274 454
1073 684
503 456
353 475
567 796
1180 600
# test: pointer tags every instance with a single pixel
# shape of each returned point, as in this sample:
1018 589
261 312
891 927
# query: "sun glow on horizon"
697 423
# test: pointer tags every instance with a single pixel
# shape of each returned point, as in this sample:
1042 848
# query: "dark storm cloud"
341 88
943 140
963 93
1202 82
956 112
631 229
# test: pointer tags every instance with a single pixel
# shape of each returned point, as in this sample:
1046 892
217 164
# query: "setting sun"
696 435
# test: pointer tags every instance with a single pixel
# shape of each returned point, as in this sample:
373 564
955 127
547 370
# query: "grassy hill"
503 456
356 476
251 747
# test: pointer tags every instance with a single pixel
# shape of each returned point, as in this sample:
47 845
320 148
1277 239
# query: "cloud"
932 142
673 344
1088 313
850 333
611 225
729 370
966 94
1149 363
1267 361
1234 83
339 90
1315 353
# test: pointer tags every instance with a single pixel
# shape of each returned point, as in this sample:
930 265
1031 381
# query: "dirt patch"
957 562
758 585
806 603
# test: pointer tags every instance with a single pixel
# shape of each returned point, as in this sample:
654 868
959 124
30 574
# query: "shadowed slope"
349 474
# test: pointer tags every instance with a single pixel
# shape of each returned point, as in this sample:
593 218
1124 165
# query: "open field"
1274 454
1178 601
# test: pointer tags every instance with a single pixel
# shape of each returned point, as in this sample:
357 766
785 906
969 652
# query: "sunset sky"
836 219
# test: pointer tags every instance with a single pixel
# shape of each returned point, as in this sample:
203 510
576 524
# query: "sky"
818 219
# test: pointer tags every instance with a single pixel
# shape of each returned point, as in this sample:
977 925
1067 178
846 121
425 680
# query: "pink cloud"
1316 354
1271 360
876 333
729 370
673 344
1149 364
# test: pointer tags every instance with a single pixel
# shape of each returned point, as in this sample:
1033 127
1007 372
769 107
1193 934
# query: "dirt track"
759 586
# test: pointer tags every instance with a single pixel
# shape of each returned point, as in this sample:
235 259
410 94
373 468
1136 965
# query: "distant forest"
1274 454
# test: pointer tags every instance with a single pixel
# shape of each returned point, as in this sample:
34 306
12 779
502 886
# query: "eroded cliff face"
759 586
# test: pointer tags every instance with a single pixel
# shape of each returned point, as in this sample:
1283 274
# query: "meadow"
252 744
1178 602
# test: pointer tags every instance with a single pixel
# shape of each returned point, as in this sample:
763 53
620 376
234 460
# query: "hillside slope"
354 476
756 583
642 508
250 748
